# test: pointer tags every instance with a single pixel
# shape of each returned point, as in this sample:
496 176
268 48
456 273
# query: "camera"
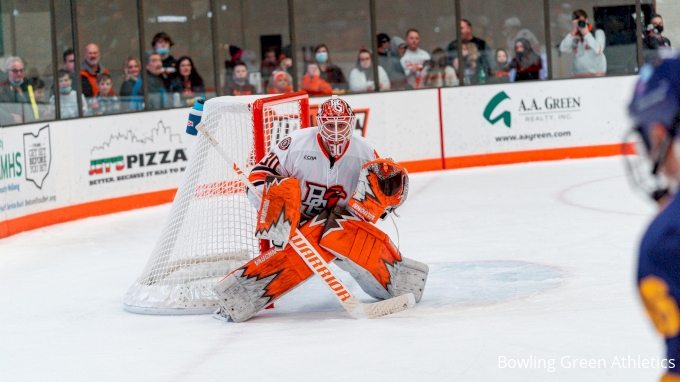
581 24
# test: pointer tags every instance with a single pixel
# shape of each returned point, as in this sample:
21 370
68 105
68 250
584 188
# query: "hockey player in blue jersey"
655 110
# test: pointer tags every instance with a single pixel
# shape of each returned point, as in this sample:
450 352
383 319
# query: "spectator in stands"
312 82
653 39
238 84
466 36
14 94
501 67
157 94
389 61
513 31
587 44
527 64
69 57
68 98
106 101
268 66
361 77
131 70
235 58
161 43
281 83
414 59
330 72
188 83
472 63
438 73
44 109
89 70
284 67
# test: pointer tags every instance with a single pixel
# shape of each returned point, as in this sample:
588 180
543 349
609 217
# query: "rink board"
65 170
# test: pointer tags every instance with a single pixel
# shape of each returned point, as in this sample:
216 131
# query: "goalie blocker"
356 246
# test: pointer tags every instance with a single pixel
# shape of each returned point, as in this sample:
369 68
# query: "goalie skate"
263 280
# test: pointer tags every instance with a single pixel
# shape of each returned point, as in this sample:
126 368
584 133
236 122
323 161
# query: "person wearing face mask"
527 63
161 43
238 84
654 38
330 72
68 98
14 95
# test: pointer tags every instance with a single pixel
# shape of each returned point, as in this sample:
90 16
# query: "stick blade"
390 306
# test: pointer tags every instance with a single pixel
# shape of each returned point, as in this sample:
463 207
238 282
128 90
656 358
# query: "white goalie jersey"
324 183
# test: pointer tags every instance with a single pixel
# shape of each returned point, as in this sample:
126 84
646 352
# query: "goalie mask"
336 122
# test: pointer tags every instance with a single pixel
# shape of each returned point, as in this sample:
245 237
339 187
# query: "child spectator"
187 82
281 84
312 82
106 102
68 99
238 83
44 110
361 77
501 67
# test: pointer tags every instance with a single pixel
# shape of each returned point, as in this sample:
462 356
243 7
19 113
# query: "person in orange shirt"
90 68
281 85
312 82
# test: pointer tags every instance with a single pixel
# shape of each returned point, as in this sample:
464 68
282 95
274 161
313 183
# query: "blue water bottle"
195 115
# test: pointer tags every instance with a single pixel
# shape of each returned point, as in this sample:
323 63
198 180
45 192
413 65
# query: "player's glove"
382 187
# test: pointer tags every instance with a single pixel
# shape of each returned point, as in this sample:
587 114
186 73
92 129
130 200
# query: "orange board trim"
85 210
126 203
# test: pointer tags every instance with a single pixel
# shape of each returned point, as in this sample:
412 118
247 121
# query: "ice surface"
532 261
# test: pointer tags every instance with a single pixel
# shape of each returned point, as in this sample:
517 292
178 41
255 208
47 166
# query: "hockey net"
209 231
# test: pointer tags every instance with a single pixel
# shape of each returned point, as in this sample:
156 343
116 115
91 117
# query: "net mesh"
209 231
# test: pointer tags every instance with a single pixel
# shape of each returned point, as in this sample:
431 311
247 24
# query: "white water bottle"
176 100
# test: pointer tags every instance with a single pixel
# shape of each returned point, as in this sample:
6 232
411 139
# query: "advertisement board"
535 116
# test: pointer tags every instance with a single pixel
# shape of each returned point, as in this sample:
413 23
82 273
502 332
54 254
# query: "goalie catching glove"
279 212
382 187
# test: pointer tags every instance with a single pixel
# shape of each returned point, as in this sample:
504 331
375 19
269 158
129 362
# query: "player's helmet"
336 122
656 101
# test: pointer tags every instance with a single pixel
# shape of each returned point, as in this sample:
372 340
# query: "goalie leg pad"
266 278
279 212
371 258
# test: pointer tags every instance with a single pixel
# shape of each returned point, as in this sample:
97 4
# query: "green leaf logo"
491 106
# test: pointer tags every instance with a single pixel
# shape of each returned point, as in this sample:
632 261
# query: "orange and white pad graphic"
279 213
383 185
275 273
362 243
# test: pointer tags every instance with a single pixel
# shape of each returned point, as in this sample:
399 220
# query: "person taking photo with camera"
653 39
587 44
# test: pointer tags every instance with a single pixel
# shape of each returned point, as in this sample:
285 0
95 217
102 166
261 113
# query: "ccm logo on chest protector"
309 157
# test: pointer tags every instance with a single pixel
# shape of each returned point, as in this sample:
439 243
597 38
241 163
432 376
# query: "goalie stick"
318 265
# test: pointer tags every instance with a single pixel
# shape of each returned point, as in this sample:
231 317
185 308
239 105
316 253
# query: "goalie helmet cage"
210 229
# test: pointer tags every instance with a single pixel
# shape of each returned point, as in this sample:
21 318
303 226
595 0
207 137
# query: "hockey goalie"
333 187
